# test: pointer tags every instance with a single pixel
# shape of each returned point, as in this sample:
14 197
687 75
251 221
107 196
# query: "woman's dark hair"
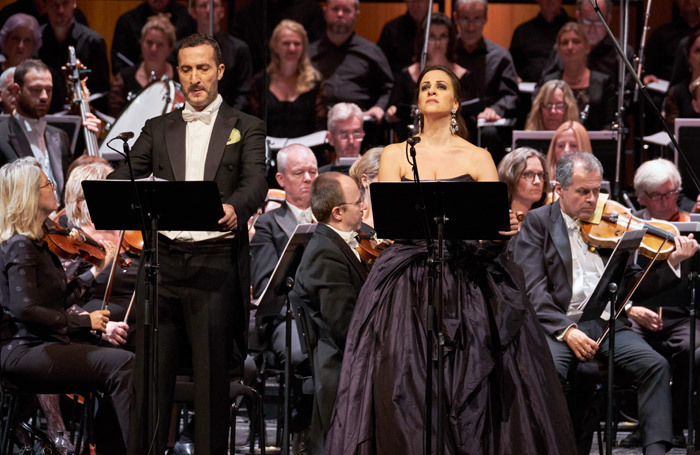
456 91
438 19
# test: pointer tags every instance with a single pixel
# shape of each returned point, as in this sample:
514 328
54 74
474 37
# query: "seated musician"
523 171
26 133
345 135
657 184
561 271
47 342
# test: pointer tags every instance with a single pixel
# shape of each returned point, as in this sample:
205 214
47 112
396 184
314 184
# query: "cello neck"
84 104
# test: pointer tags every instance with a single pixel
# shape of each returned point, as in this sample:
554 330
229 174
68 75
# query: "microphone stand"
619 126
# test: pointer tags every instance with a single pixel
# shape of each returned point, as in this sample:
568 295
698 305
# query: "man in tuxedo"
25 133
204 287
561 272
327 283
296 169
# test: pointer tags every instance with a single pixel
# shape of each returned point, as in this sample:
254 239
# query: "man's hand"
391 114
376 112
92 123
648 319
696 207
686 246
116 333
649 78
489 115
230 221
583 347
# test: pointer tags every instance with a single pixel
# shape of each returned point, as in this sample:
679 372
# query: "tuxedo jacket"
14 144
235 161
543 251
272 232
327 283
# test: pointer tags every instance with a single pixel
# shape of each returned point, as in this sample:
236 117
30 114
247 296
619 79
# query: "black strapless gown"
502 392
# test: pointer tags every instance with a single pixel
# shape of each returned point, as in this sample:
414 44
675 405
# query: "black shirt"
234 86
532 43
27 7
354 72
398 41
493 76
661 47
90 49
127 32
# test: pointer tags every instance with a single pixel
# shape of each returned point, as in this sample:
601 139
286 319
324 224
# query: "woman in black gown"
502 392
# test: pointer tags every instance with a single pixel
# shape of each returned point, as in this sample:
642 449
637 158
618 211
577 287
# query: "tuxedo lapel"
225 120
53 148
176 142
560 238
17 139
345 248
286 221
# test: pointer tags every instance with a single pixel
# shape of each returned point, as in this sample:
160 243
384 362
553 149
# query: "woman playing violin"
380 399
45 341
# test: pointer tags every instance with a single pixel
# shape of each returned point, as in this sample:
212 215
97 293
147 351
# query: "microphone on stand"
125 136
412 141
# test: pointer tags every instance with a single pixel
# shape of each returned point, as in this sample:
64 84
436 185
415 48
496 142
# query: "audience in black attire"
129 25
62 31
234 86
354 69
663 42
33 8
533 40
291 99
679 100
399 34
594 91
247 23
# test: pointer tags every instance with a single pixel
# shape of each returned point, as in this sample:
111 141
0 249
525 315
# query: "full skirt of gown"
502 392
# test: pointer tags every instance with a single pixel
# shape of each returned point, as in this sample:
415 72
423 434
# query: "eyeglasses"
559 107
656 197
437 39
476 22
357 203
530 176
597 23
49 184
345 135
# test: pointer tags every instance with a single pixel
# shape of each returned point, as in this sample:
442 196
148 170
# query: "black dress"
300 117
502 392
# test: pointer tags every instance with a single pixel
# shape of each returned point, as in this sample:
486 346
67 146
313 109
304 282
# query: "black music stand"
150 206
275 295
606 291
458 211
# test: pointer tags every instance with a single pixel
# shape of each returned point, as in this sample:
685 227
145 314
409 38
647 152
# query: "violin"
369 247
70 244
132 242
616 219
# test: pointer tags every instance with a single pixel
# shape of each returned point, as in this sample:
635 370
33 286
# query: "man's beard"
28 109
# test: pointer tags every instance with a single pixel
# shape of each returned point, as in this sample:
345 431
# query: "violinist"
657 184
561 272
365 171
48 341
124 280
25 133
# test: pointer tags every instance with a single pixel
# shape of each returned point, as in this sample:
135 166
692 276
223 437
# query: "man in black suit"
561 271
204 288
25 133
296 169
326 286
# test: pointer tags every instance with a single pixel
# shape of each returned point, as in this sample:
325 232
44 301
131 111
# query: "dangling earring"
453 122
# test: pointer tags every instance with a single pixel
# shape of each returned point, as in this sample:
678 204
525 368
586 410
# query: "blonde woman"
553 105
42 307
290 96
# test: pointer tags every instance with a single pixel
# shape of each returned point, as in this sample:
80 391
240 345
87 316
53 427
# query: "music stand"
177 206
270 303
609 285
400 209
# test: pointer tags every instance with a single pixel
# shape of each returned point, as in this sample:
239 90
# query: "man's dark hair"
26 66
326 193
565 166
200 39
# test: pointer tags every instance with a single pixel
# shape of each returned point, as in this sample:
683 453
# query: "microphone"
125 136
412 141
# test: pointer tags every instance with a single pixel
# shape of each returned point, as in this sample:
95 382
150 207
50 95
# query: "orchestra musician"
204 285
380 400
46 344
523 171
561 272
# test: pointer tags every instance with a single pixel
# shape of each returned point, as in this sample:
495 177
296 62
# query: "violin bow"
113 268
629 294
